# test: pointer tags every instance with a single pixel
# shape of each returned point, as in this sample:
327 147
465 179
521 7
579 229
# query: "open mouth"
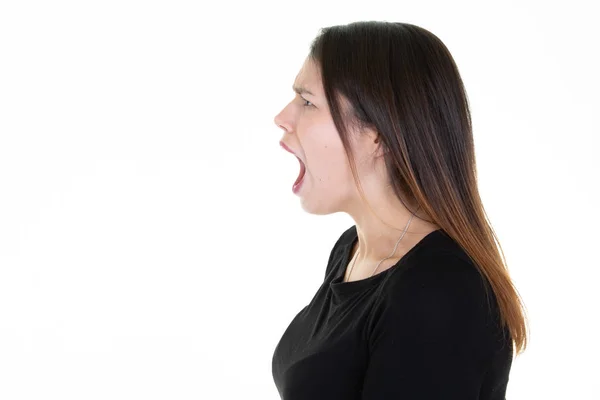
300 178
302 172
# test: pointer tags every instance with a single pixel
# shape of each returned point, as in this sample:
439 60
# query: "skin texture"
329 187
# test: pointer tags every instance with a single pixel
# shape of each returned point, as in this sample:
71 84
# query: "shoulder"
440 293
444 270
441 268
441 277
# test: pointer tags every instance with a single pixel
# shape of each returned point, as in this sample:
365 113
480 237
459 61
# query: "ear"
379 150
376 143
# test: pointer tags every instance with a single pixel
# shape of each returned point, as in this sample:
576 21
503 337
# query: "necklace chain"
388 257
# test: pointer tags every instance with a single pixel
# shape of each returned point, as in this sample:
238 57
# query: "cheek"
323 149
328 166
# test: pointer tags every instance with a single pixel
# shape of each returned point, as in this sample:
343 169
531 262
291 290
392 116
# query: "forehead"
308 78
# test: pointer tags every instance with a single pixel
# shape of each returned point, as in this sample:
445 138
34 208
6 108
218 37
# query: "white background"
150 244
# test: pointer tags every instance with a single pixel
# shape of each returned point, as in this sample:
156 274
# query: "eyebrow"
301 90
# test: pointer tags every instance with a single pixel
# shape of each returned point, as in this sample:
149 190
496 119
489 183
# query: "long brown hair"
400 80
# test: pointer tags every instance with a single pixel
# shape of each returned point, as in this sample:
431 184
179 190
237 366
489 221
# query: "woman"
416 302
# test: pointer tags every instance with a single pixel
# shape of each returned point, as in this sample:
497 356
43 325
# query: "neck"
375 245
378 234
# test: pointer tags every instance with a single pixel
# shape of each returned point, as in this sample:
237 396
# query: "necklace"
401 236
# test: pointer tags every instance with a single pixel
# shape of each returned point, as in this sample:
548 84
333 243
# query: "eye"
306 101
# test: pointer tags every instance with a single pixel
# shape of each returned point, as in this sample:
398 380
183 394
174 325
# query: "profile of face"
309 132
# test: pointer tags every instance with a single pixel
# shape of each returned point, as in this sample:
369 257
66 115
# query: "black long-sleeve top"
426 328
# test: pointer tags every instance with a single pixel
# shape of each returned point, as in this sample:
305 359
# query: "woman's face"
309 132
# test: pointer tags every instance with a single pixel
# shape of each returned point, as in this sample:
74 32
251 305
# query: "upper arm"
430 337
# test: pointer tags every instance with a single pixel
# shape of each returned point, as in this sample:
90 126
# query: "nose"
278 121
282 122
